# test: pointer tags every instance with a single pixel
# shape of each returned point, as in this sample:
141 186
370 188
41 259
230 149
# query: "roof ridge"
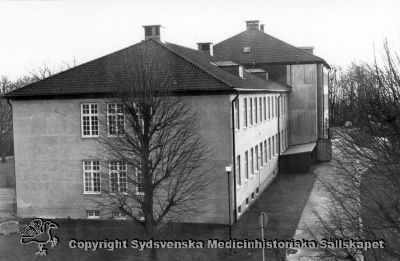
289 44
277 39
194 63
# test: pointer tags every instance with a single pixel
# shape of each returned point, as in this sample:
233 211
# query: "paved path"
308 220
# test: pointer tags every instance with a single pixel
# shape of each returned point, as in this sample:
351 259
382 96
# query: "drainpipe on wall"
234 158
279 132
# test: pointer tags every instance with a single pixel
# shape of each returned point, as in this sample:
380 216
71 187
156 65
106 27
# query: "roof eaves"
72 68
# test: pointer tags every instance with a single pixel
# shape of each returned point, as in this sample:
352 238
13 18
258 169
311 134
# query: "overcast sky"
33 32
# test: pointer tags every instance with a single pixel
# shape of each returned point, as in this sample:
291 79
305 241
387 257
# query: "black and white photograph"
264 130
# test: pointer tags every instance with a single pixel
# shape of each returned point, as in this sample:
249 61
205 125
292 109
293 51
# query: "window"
91 177
286 138
257 159
252 196
251 111
276 106
93 214
251 161
261 155
272 107
239 181
90 119
265 151
247 201
273 145
245 112
240 209
269 149
116 214
255 111
257 190
118 180
237 122
115 119
265 109
276 145
139 181
246 164
269 108
260 105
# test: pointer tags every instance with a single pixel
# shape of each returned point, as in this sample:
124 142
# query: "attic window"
247 49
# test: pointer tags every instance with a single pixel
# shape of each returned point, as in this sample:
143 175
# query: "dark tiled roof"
264 48
190 69
204 62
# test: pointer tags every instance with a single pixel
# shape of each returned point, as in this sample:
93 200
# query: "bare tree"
46 70
5 117
364 194
157 169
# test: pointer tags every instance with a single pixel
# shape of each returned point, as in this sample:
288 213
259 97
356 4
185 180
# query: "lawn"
7 173
284 201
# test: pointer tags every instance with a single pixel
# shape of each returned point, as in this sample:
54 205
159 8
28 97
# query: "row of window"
116 214
253 194
259 109
115 119
117 177
258 156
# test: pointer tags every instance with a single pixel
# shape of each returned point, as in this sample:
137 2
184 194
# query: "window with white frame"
276 106
269 108
251 111
139 181
245 112
269 149
257 159
261 155
237 120
260 107
118 179
251 161
91 176
255 111
246 164
117 214
115 119
93 214
90 119
273 145
238 174
265 109
276 145
265 151
272 107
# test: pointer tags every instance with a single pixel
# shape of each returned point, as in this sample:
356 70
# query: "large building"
247 115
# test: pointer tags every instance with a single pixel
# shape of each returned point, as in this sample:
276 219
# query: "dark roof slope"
264 48
204 61
190 69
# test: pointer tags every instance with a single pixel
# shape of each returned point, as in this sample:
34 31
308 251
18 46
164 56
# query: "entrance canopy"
301 148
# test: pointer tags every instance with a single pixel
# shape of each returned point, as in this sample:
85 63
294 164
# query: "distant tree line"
364 192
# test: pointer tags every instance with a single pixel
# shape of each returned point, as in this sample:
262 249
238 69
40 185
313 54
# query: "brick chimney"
205 48
309 49
152 32
252 24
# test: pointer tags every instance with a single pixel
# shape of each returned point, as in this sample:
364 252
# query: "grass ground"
7 173
284 201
